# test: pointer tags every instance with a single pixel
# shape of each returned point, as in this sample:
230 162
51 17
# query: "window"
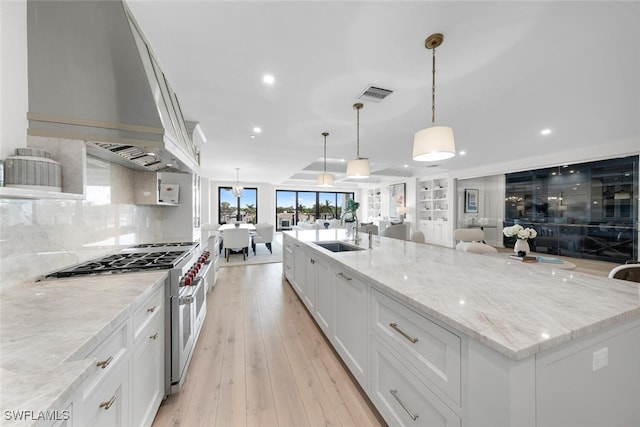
243 208
586 210
308 206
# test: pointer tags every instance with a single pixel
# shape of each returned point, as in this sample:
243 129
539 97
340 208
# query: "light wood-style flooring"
262 361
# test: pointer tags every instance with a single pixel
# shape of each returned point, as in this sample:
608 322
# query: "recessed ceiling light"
406 166
257 129
545 131
268 79
462 153
252 136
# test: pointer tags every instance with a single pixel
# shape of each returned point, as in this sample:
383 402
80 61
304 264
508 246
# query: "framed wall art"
397 198
471 200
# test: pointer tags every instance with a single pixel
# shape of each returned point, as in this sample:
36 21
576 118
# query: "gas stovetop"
163 245
125 263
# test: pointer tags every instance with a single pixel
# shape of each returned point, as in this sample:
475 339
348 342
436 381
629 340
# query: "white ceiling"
505 71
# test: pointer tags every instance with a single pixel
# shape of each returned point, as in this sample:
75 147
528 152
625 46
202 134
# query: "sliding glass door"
308 206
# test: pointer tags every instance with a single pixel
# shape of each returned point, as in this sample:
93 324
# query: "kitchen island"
54 334
481 340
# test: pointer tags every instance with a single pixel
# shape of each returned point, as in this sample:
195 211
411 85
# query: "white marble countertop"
515 308
45 324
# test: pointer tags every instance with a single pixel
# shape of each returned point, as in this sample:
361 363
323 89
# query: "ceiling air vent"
374 93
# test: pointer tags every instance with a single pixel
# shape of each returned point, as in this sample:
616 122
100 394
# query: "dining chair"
629 272
365 229
472 240
417 236
235 240
264 234
396 231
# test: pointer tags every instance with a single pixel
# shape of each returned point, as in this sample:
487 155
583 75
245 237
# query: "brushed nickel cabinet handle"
105 363
344 275
107 405
394 393
154 336
152 309
403 333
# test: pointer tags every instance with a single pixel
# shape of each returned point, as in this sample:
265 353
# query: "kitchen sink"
338 246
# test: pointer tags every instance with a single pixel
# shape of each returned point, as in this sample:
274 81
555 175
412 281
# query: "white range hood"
93 77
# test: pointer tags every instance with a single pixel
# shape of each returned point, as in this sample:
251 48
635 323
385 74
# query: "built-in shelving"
434 209
433 199
373 203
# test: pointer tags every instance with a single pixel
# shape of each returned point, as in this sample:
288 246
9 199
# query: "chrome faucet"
356 236
370 237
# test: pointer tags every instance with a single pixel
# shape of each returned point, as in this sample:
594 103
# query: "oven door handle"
186 296
197 282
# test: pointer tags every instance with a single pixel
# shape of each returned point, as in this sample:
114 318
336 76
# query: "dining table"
250 227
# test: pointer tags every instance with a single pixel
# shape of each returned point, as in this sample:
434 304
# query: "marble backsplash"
40 236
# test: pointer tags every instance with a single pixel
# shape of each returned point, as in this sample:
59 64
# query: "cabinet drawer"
401 398
109 404
108 355
147 311
431 349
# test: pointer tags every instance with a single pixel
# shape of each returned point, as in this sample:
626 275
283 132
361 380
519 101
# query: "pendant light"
237 189
325 179
359 167
436 142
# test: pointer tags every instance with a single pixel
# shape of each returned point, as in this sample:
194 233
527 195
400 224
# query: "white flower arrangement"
520 232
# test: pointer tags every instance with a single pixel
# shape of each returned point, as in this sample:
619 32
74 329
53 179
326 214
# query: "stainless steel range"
188 266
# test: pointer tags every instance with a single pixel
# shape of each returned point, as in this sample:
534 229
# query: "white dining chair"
264 234
234 240
472 240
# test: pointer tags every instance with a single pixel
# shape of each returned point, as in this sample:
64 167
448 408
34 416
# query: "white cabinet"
110 353
108 405
106 389
434 201
287 258
147 373
309 296
304 274
325 289
432 352
597 370
299 274
126 382
401 398
350 323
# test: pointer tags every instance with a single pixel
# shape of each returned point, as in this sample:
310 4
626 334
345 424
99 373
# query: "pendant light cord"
357 133
433 87
325 153
357 106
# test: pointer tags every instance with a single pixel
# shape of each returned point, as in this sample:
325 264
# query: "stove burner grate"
124 263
